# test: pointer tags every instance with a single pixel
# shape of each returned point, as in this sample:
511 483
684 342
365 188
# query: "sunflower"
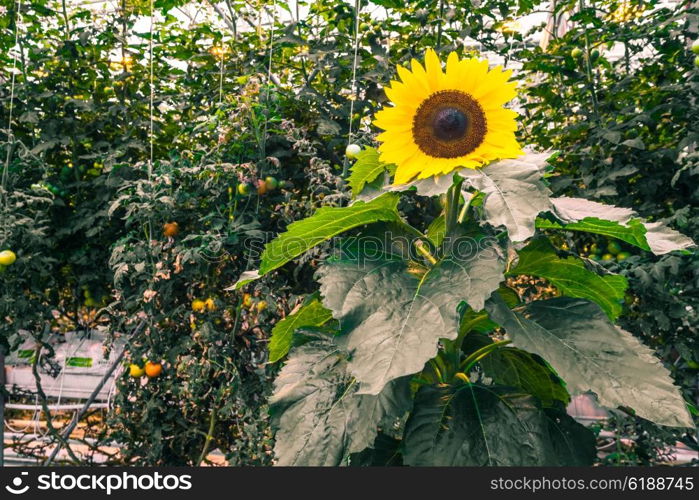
441 121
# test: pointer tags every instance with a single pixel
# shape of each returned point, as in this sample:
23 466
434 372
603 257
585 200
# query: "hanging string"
353 89
10 135
269 77
220 79
152 93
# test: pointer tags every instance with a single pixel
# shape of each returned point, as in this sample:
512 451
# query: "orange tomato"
247 300
153 370
171 229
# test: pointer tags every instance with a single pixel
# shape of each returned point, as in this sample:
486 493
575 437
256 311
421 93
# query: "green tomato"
614 247
695 47
594 256
622 256
243 189
696 61
607 256
66 173
594 55
576 53
272 183
594 248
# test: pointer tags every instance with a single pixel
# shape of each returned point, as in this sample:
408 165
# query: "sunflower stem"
453 201
462 213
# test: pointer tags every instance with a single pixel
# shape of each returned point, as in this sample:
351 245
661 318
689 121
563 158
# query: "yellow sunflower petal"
419 89
433 70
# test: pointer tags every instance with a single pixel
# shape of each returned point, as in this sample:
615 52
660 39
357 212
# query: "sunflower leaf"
437 230
326 223
515 193
366 169
309 315
571 277
476 425
516 368
392 319
319 417
577 214
591 354
633 233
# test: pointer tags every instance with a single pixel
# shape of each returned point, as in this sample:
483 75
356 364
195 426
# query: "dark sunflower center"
449 124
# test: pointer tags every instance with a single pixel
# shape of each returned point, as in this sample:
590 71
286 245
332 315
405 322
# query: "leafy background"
84 214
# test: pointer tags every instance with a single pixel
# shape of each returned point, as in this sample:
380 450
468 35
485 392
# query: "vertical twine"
353 88
10 135
152 94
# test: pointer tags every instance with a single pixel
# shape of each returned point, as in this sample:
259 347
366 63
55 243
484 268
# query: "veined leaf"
432 186
634 233
573 443
516 368
591 354
385 452
437 230
571 277
514 191
578 214
576 209
319 416
393 319
326 223
663 239
476 425
365 170
311 314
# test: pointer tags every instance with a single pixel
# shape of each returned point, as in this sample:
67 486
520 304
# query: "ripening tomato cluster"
150 369
262 186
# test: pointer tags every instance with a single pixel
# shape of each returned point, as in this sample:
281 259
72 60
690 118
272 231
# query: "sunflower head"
444 120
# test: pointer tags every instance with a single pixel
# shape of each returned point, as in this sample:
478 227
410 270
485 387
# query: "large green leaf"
365 170
573 443
393 319
591 354
516 368
319 417
634 233
309 315
571 277
515 193
323 225
476 425
385 452
578 214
